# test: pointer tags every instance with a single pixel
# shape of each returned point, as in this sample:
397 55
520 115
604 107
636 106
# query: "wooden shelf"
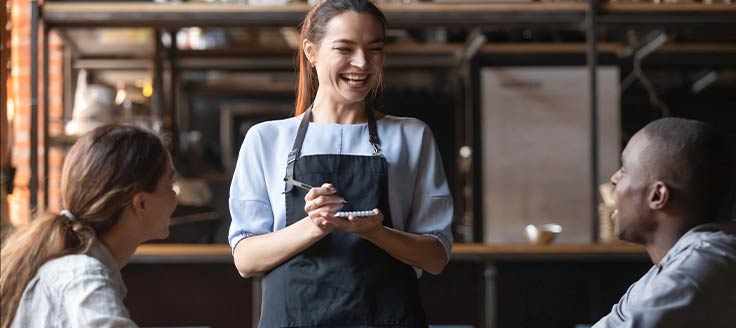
284 57
546 48
486 252
643 7
182 253
667 13
605 48
109 14
208 253
424 14
698 48
479 14
62 140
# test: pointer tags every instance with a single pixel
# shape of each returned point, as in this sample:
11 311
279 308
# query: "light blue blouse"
419 198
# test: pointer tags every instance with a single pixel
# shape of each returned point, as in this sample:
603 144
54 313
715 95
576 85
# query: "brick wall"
20 94
4 83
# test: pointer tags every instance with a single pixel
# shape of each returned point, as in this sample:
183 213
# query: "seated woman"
63 269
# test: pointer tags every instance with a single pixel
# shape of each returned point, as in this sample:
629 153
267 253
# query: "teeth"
356 77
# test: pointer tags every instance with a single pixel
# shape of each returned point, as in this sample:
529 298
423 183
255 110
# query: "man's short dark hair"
694 160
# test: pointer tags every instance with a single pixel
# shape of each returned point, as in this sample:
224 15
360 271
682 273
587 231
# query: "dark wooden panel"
561 294
455 296
201 294
530 292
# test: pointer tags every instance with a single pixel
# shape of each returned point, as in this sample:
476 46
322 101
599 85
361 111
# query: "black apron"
342 280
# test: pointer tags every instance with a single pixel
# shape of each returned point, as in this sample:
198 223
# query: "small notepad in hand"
356 213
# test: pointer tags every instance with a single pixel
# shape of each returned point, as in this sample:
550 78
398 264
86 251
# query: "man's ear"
659 195
309 51
139 203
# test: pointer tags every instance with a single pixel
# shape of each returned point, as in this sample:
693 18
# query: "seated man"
671 189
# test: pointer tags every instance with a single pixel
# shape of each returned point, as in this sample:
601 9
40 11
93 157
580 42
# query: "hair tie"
69 216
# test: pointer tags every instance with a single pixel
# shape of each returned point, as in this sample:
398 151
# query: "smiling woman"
347 252
348 59
117 193
342 41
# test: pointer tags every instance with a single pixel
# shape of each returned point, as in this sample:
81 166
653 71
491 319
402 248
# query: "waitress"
337 155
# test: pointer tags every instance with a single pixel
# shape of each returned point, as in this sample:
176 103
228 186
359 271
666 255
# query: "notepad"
356 213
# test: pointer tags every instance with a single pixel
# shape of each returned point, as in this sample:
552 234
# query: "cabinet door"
535 134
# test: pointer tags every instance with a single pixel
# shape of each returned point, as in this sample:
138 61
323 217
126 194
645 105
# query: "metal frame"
592 63
46 77
33 185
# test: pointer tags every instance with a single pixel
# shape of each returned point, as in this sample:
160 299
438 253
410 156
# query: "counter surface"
210 253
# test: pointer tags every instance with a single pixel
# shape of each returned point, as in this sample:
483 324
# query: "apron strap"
302 132
296 149
374 140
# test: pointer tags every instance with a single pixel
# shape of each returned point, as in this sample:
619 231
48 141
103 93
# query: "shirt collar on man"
685 242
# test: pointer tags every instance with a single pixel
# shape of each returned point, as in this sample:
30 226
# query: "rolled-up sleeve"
249 203
432 206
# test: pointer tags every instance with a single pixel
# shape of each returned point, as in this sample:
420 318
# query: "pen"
299 184
304 186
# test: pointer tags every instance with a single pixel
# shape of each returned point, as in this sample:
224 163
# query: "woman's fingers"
325 218
325 189
331 201
367 221
321 220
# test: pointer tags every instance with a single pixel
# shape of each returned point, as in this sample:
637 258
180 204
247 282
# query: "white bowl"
543 234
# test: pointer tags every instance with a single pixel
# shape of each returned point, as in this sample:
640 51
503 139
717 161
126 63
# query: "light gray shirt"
419 198
694 285
80 290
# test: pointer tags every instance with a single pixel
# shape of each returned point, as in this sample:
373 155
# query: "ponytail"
26 249
308 83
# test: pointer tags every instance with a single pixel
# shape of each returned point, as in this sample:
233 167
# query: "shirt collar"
102 254
684 241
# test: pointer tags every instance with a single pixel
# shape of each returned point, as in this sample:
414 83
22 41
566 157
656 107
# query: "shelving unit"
62 16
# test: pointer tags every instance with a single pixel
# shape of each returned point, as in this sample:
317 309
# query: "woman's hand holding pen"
321 204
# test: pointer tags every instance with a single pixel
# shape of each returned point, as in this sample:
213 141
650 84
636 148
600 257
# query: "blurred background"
530 102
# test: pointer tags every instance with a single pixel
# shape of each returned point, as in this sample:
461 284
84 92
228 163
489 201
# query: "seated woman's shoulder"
72 265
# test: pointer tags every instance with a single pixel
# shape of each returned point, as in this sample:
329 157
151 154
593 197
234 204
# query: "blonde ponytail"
25 249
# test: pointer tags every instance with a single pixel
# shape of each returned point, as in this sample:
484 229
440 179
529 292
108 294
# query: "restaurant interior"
530 102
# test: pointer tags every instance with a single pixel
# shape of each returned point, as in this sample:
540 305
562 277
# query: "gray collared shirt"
694 285
79 290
